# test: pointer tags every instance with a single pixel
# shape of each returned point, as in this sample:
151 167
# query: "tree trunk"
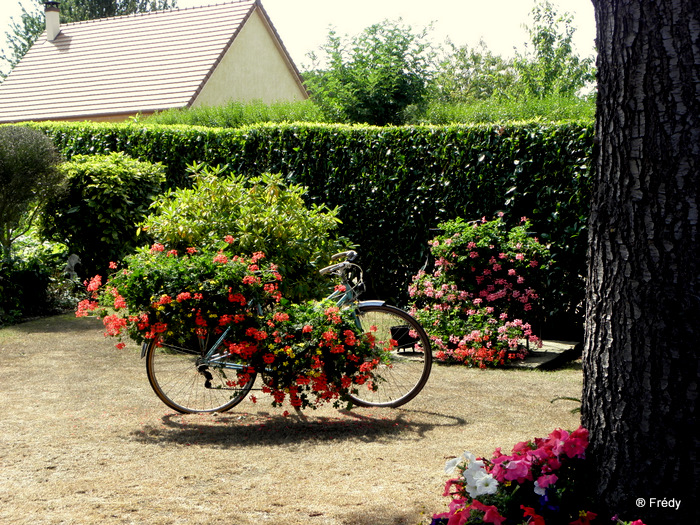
642 337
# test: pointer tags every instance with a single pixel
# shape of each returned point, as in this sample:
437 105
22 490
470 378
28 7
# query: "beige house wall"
254 68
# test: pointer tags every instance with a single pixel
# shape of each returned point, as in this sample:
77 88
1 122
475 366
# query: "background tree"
641 359
20 37
469 73
552 67
23 33
548 67
374 77
29 178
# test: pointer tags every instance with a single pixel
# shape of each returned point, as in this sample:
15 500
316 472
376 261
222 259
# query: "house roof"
124 65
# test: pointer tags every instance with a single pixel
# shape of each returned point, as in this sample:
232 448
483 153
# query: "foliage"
541 481
551 67
394 184
78 10
468 74
318 355
262 214
183 293
374 77
23 34
473 303
490 110
34 280
29 178
553 108
235 114
107 196
311 352
20 37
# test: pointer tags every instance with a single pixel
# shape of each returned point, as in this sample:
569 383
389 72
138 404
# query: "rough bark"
642 336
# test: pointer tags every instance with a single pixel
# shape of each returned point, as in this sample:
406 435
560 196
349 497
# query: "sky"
303 24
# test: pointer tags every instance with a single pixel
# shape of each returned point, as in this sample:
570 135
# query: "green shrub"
236 114
107 195
34 280
262 214
28 178
550 109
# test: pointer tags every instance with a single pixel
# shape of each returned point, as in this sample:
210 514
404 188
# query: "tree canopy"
373 77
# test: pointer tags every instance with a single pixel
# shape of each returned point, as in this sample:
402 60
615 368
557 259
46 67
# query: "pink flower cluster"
535 484
540 459
535 461
470 303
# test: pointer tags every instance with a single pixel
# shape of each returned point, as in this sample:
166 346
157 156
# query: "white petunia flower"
475 465
485 484
452 464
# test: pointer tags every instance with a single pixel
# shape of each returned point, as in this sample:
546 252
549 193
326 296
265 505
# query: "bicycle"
193 378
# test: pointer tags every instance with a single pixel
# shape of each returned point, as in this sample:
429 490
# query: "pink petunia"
545 481
518 470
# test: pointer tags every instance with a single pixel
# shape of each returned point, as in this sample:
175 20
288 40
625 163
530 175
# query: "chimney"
53 20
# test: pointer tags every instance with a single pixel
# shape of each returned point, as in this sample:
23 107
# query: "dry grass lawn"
83 439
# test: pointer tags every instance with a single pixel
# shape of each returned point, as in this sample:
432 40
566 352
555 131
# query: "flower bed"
472 304
307 353
541 482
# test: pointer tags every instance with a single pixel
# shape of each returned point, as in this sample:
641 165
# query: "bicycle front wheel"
408 365
188 383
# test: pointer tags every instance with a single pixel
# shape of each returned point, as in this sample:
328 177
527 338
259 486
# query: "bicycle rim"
409 362
180 379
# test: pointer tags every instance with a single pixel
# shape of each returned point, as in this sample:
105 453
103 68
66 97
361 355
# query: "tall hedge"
395 184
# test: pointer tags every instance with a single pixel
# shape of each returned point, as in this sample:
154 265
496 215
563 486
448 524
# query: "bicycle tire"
181 382
411 360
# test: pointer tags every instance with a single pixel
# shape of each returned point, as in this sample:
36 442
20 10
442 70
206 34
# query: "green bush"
107 195
28 178
550 109
376 77
236 114
262 214
34 281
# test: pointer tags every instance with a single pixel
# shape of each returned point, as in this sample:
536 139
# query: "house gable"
255 67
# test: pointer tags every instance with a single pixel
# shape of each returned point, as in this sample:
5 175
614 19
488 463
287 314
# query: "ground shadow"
263 429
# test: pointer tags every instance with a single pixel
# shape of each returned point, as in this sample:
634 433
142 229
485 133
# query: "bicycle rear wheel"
186 383
410 359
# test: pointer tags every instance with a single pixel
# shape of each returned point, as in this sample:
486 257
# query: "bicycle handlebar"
349 255
333 267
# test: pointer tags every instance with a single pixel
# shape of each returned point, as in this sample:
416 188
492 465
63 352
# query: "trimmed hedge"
395 184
